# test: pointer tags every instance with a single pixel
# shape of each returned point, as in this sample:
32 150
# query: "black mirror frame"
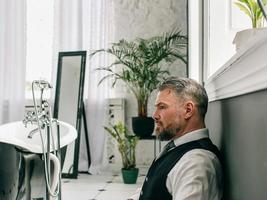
74 173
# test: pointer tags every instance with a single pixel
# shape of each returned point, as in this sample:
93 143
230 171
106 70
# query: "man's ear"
189 109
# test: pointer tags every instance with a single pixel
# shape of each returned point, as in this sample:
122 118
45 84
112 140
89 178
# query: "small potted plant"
126 146
253 10
138 64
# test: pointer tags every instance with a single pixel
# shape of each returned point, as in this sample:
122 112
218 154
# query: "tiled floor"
107 186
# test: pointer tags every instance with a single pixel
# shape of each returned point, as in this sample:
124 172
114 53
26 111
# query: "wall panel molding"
244 73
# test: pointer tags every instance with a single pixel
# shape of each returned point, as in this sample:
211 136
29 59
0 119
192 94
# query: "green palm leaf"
138 62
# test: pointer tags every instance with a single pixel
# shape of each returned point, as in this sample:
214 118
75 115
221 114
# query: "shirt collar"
192 136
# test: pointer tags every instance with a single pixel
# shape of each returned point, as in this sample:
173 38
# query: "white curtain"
12 59
99 36
85 25
67 29
68 25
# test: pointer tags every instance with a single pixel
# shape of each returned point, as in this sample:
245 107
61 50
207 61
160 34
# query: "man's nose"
155 115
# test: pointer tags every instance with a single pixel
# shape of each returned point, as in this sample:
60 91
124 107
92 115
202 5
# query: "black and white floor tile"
107 186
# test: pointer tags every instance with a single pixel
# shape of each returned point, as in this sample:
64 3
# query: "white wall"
133 19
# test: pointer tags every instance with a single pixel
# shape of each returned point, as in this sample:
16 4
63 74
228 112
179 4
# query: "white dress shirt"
197 175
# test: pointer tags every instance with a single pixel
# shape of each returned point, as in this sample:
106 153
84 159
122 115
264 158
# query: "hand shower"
44 120
42 84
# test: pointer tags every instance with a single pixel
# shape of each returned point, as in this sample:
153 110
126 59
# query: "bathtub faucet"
31 118
41 115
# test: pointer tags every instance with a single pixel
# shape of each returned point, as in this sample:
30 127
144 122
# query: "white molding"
244 73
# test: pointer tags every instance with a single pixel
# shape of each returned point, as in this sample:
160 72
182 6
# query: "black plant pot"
143 126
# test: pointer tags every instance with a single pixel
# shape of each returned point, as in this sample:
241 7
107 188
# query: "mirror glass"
69 103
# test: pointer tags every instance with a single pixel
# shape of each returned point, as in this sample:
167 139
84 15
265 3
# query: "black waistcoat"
154 186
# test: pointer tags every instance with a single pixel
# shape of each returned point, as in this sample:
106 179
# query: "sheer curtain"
68 25
85 25
12 60
99 36
67 30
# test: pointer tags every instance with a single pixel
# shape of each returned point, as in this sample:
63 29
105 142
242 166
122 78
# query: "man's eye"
162 107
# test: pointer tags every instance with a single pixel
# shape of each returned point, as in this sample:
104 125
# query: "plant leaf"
243 8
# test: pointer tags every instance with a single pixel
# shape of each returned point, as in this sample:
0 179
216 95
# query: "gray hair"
188 89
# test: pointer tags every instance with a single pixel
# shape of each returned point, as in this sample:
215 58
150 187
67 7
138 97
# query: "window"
39 44
222 20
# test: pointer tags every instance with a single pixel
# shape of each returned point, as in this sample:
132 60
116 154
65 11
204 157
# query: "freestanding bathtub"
15 146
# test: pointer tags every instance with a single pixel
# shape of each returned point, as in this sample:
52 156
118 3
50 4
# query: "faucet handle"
29 114
29 117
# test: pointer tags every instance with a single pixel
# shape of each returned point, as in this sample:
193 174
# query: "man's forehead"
165 96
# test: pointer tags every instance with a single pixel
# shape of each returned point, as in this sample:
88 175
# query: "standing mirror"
68 105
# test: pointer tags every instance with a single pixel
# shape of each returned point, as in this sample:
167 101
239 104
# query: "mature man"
189 167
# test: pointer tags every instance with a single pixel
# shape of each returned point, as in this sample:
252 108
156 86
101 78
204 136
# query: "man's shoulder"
199 168
200 155
198 160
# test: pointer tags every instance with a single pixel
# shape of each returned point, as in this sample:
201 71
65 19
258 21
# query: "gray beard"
167 135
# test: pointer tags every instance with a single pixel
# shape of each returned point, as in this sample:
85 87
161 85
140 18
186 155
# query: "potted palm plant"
138 64
126 146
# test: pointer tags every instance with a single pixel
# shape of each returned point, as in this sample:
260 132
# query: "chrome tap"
32 132
41 115
29 118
